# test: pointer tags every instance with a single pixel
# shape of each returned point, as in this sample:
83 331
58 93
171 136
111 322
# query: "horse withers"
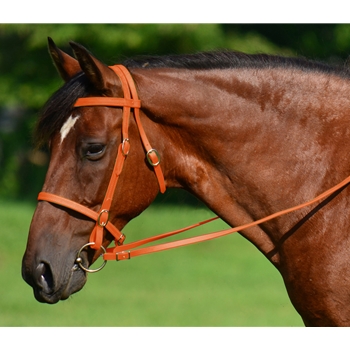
249 135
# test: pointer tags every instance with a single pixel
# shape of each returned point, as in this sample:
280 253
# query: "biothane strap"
123 252
52 198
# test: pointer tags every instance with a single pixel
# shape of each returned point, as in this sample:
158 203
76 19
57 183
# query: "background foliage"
27 77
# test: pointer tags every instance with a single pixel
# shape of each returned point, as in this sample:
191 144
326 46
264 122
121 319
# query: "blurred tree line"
28 78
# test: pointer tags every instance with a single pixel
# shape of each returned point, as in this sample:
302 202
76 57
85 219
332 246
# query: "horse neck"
239 138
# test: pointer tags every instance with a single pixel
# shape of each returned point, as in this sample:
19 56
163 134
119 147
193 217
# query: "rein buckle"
123 256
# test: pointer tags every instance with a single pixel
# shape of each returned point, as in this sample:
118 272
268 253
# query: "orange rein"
120 251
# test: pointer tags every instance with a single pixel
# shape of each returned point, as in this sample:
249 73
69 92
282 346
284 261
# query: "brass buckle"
123 255
149 158
121 240
104 223
123 147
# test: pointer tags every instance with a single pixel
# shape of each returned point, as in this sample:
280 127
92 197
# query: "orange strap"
152 154
121 252
52 198
109 102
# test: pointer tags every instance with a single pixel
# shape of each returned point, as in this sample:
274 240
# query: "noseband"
101 218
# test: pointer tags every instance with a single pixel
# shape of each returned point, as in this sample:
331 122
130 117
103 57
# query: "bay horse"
248 135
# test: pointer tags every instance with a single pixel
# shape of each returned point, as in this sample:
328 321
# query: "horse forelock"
59 108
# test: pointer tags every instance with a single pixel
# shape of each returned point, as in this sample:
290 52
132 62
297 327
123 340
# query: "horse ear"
66 65
100 75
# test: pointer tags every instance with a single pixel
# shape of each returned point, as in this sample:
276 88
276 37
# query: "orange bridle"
120 251
101 218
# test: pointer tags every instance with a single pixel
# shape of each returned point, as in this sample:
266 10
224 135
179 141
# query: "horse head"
83 144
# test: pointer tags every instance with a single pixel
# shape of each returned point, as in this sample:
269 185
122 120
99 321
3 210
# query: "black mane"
229 59
60 105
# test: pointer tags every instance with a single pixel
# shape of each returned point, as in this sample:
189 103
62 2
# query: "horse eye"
94 151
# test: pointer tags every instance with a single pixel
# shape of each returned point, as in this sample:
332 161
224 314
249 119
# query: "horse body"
248 141
272 150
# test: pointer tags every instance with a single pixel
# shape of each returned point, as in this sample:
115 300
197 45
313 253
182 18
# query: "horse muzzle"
51 284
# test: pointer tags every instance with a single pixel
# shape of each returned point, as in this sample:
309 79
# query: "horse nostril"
44 277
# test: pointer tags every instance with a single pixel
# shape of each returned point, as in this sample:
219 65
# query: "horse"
248 135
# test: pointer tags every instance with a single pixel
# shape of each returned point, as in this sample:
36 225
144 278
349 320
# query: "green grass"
224 282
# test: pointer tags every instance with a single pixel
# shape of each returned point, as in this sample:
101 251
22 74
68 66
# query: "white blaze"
67 126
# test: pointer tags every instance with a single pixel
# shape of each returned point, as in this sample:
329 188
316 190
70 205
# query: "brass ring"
79 260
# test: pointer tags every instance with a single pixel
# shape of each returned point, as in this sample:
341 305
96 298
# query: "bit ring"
79 260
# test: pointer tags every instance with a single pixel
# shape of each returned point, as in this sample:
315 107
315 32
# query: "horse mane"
60 106
230 60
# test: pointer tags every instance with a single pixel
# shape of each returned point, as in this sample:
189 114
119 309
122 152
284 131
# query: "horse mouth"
50 290
62 294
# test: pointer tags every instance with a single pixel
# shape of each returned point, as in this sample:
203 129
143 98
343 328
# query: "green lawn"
224 282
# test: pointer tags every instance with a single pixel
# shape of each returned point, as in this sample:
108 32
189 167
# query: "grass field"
224 282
